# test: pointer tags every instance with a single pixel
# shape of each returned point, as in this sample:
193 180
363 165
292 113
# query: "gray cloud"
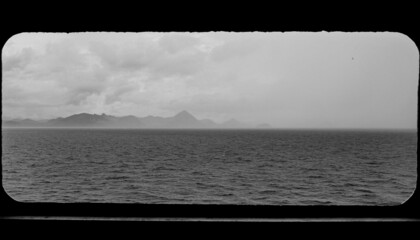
237 48
117 92
174 43
17 61
285 79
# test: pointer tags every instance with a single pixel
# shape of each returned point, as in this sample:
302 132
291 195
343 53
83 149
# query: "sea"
239 167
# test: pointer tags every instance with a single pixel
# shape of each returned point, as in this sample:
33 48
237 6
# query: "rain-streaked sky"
288 80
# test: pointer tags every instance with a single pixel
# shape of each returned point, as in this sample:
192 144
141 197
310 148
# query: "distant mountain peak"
183 119
184 114
80 114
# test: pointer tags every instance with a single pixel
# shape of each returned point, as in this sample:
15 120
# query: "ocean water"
267 167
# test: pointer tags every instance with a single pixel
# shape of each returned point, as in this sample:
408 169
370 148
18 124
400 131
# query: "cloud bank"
285 79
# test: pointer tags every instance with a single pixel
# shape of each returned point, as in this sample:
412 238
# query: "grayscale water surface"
282 167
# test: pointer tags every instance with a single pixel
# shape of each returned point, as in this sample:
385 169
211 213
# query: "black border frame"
11 210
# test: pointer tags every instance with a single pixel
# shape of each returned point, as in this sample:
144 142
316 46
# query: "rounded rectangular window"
314 118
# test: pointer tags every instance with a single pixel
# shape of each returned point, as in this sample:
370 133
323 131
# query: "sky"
288 80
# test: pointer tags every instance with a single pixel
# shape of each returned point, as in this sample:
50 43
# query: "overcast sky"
310 80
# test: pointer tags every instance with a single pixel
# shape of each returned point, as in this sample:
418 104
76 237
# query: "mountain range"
85 120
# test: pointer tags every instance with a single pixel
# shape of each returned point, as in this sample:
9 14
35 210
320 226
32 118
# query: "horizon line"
220 128
271 127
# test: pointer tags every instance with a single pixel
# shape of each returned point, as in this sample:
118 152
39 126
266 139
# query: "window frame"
11 209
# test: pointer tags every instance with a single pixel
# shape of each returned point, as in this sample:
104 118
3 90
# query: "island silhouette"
181 120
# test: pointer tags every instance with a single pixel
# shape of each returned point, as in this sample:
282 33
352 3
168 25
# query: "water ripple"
209 167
